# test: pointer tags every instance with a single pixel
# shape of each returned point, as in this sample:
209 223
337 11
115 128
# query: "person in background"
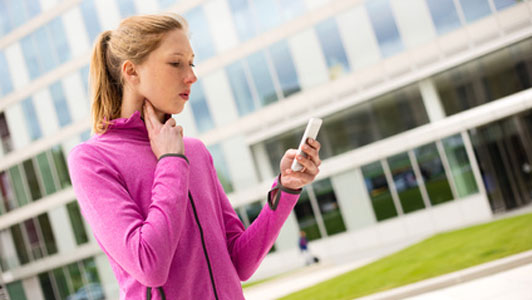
150 195
303 247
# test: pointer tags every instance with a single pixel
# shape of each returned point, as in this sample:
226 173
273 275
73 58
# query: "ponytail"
106 88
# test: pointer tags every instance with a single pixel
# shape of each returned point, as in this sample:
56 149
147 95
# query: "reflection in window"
31 178
305 217
405 183
267 14
221 167
18 185
253 211
90 17
30 116
61 283
243 18
34 242
46 173
8 196
46 286
6 86
61 167
379 191
284 67
383 22
444 15
240 87
475 9
460 167
47 234
200 108
126 7
16 291
332 47
76 221
502 4
262 78
74 275
60 104
200 35
433 174
20 245
329 209
496 75
5 135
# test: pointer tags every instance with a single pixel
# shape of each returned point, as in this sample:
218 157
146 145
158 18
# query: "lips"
185 95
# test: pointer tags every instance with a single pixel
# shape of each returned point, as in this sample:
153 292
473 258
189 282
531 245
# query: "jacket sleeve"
248 247
142 244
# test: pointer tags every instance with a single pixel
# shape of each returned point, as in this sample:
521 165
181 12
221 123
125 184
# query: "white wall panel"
359 40
413 21
146 6
239 163
17 126
75 96
47 4
308 59
46 114
76 32
17 66
62 228
32 288
108 13
221 25
220 98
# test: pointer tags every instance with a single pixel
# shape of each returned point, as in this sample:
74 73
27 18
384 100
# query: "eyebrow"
181 54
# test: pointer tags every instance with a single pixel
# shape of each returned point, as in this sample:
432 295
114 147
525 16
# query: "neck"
132 102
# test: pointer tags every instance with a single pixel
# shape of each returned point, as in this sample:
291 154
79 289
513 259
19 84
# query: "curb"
454 278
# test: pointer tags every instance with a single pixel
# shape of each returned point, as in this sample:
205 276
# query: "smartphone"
313 127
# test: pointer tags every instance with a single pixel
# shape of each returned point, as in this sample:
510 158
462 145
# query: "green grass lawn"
438 255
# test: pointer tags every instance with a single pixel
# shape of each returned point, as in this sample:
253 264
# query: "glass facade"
332 47
14 13
475 9
384 26
444 15
220 164
200 108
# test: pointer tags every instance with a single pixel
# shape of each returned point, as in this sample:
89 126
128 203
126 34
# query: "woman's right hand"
164 138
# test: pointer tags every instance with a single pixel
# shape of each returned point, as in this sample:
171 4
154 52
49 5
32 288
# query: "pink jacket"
168 223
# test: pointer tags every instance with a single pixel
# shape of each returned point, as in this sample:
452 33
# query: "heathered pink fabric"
141 216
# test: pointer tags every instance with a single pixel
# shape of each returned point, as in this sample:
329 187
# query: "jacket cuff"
274 195
174 154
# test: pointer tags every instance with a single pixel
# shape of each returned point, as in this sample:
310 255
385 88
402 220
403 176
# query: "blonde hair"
134 39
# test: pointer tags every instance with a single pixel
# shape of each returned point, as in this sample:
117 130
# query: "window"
46 173
60 104
165 3
14 13
126 7
46 286
8 196
47 233
200 108
332 47
19 185
502 4
85 79
262 79
200 35
32 180
221 167
460 166
31 117
90 17
6 85
276 147
475 9
20 245
329 209
5 135
496 75
383 22
267 14
16 291
405 182
240 87
243 18
433 174
379 191
291 9
253 210
76 220
29 51
34 243
444 15
59 40
284 67
306 217
61 167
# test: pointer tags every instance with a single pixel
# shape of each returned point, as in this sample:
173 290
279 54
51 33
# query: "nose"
191 77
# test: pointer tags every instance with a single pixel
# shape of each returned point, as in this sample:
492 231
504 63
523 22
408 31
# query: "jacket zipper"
204 246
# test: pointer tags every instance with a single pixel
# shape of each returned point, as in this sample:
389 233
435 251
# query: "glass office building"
426 109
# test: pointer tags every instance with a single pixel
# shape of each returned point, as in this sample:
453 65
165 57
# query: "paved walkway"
506 279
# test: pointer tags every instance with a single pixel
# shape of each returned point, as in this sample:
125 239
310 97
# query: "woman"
152 197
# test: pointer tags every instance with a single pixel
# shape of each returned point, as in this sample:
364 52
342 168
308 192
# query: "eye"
174 64
192 65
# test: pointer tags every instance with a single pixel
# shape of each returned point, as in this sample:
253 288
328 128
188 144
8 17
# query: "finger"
146 118
170 122
304 178
311 168
312 154
314 143
152 117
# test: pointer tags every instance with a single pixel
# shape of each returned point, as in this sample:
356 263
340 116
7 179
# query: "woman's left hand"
296 180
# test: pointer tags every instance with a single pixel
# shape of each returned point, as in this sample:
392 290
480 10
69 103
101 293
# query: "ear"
130 72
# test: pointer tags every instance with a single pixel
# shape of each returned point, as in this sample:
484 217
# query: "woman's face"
167 74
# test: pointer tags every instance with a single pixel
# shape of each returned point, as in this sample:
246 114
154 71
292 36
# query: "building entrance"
504 153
